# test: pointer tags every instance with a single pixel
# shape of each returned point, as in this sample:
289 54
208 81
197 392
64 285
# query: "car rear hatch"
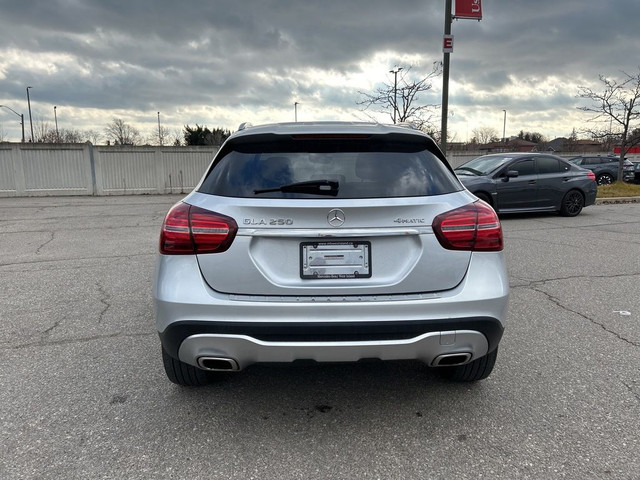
280 249
331 215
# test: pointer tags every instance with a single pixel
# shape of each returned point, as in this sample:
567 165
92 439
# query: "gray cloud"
227 57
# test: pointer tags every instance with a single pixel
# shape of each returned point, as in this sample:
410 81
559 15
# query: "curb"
615 200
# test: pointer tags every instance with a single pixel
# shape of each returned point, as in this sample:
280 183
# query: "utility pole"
504 127
30 119
445 76
471 9
295 110
55 115
21 118
395 92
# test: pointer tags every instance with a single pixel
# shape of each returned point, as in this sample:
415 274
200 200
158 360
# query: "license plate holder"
335 260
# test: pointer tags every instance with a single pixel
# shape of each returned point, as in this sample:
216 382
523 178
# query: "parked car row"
605 168
636 172
529 182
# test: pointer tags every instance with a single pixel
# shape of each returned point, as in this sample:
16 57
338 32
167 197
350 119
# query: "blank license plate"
322 260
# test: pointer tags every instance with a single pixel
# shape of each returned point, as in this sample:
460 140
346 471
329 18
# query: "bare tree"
615 112
93 136
3 136
43 131
401 99
122 133
176 137
484 135
159 136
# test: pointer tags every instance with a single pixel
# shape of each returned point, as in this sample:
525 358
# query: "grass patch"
619 189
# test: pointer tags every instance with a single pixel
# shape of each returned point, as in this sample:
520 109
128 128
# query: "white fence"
84 169
43 169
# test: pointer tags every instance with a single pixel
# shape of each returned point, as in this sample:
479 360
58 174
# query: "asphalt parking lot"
83 393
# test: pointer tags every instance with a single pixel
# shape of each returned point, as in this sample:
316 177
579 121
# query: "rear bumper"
590 197
194 321
249 343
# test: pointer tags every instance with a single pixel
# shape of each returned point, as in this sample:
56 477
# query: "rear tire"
605 179
479 369
572 203
182 373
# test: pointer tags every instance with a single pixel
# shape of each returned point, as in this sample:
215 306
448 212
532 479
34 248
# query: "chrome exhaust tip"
451 359
218 364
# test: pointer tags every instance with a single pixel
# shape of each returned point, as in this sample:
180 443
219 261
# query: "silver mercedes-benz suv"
331 242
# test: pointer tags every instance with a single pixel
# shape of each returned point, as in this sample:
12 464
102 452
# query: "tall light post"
395 91
21 119
55 115
30 119
295 111
504 127
159 131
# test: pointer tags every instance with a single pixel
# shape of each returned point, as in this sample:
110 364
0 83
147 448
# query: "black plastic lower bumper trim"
177 332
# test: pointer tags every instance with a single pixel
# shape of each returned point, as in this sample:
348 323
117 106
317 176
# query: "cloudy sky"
219 63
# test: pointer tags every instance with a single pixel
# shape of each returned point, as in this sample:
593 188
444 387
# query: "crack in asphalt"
534 283
85 229
556 301
630 388
53 234
563 244
68 341
58 260
636 395
103 299
52 327
556 226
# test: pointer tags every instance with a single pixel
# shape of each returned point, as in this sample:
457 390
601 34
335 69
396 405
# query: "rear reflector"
474 227
190 230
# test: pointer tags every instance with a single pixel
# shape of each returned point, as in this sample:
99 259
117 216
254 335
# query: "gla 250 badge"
271 221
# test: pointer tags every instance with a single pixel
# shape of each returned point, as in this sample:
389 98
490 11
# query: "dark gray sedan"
529 182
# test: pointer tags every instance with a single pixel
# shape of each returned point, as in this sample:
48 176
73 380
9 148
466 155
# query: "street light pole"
55 115
395 91
504 127
159 131
295 111
30 119
21 119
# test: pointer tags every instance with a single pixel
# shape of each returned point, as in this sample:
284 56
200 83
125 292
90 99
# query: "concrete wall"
84 169
44 169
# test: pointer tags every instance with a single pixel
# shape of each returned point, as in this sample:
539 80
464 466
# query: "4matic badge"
409 220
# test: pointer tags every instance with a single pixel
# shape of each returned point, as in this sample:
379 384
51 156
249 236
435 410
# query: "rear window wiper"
317 187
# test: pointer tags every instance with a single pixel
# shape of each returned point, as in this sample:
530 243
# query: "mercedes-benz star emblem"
336 217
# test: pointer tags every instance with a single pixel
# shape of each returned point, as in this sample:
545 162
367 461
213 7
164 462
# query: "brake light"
474 227
591 175
188 230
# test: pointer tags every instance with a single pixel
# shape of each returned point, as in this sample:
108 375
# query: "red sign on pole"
447 43
468 9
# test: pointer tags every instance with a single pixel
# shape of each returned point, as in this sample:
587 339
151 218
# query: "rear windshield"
359 167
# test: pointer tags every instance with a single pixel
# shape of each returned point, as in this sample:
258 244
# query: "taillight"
591 175
188 230
474 227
